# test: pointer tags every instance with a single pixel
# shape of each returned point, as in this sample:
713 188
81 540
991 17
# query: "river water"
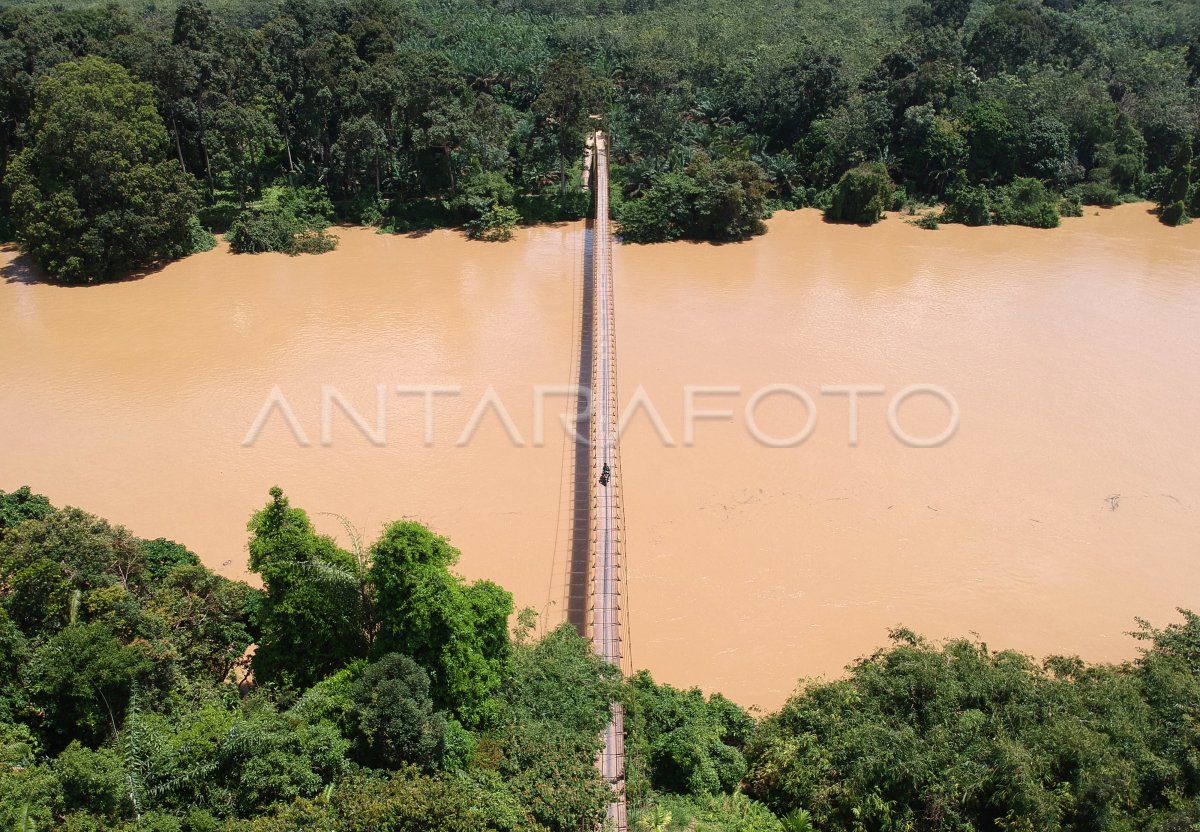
1066 502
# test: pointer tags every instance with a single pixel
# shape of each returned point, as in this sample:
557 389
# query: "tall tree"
311 618
457 632
571 92
93 194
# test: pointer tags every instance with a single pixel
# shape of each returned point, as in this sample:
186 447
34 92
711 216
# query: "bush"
372 211
978 739
1098 193
1176 189
287 220
1175 214
862 195
1070 207
690 744
219 216
254 232
313 241
969 205
199 238
496 224
929 221
1026 202
718 200
707 813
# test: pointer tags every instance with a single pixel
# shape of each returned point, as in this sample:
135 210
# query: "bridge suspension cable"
606 539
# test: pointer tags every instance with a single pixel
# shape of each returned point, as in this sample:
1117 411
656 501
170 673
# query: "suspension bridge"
595 580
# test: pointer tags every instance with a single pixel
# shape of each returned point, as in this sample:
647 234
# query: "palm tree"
656 820
798 820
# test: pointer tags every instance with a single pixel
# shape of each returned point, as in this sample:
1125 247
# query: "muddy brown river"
1062 369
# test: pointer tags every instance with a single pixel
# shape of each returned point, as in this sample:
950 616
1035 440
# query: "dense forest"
131 131
368 688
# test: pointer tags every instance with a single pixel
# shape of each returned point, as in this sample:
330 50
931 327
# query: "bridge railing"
606 484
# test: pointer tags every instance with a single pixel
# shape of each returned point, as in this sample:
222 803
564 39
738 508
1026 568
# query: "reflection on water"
1073 356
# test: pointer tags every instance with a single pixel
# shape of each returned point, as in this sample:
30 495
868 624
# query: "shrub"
969 205
313 241
1098 193
288 220
372 211
496 224
720 200
1176 187
199 238
1026 201
1070 207
1175 214
929 221
254 232
862 195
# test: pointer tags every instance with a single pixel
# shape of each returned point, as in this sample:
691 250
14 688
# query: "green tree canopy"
394 715
720 200
686 743
93 195
457 631
310 620
963 737
862 195
22 504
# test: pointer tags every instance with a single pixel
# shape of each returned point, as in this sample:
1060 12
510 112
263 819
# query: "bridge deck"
606 500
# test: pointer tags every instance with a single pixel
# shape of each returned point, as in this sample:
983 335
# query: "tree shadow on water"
19 268
23 269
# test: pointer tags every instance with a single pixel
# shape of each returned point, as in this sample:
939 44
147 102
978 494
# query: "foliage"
457 631
50 562
555 707
311 617
968 204
961 737
209 618
1070 207
1175 213
862 195
496 224
1179 198
22 504
80 681
722 199
92 193
683 742
118 708
402 802
708 813
287 220
395 719
1026 201
1098 193
199 238
160 556
559 681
